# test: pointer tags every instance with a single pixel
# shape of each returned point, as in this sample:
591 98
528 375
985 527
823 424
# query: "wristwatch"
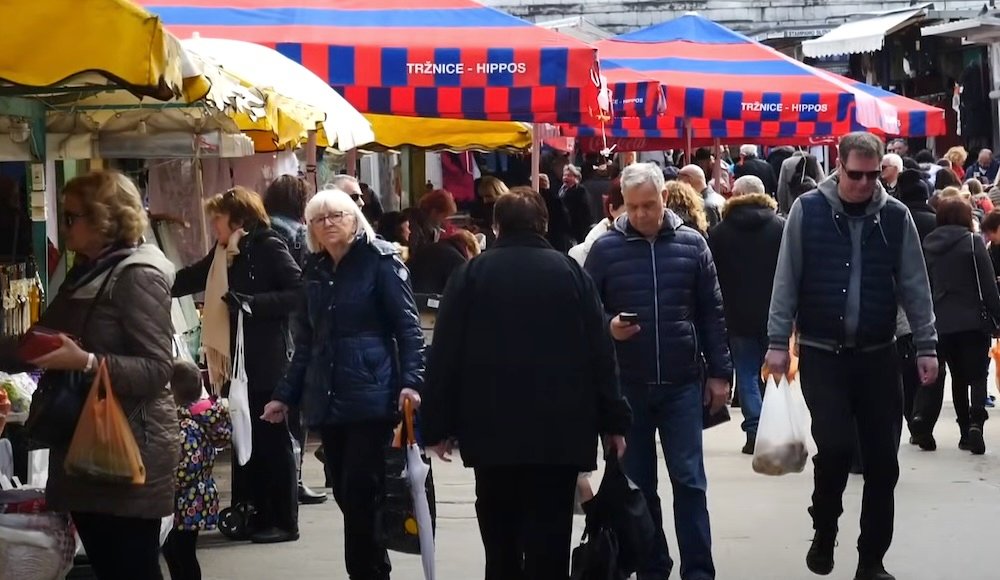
91 362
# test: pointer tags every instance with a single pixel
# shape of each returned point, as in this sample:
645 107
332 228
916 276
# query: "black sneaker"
976 443
926 441
873 573
963 442
751 444
819 560
274 536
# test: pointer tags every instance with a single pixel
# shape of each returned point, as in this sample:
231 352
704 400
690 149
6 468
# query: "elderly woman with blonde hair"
359 354
956 157
688 204
116 301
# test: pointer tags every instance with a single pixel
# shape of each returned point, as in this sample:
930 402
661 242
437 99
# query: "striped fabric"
429 58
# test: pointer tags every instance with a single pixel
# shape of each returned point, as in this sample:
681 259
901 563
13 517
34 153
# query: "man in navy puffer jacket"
674 359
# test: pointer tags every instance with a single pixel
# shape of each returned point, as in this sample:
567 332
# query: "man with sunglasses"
349 185
850 256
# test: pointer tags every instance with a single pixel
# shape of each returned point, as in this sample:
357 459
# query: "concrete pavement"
947 523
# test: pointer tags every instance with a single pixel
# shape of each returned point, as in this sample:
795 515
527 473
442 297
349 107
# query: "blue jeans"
748 358
676 412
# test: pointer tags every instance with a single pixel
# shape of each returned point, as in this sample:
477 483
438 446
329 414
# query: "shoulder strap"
975 264
93 303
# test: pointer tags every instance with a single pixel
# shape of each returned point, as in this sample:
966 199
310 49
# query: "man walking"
745 249
750 164
659 287
522 373
694 176
850 255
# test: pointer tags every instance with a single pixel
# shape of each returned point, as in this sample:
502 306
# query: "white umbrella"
266 68
416 475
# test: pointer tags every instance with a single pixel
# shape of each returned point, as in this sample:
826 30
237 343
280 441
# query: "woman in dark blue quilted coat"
359 353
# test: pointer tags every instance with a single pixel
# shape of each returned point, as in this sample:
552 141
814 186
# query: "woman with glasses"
250 270
359 353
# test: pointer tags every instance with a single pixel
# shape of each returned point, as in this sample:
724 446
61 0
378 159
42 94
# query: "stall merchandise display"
21 298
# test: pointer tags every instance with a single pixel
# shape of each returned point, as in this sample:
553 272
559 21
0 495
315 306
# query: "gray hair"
333 199
574 170
748 150
343 181
639 174
894 160
861 142
747 185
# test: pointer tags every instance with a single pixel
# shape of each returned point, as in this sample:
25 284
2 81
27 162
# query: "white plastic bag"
783 441
239 401
36 546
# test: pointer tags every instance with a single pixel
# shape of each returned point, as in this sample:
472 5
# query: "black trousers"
844 391
526 520
355 464
910 375
181 553
120 548
967 355
270 479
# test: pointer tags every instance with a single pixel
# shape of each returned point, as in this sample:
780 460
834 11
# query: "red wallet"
38 342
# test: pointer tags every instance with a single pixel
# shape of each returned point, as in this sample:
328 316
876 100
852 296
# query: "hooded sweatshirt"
912 287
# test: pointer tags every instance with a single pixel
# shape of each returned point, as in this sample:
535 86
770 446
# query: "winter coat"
923 216
745 249
265 270
761 169
538 384
432 265
205 427
957 306
358 340
560 233
580 251
130 327
671 283
294 234
576 202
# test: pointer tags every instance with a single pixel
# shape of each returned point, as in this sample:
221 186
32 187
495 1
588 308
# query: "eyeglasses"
70 218
859 175
336 217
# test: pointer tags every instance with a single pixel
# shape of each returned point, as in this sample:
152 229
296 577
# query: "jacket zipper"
656 309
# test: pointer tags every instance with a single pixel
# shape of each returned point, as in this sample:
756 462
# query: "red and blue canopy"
711 72
427 58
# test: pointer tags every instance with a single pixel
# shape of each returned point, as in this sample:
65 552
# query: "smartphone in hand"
629 317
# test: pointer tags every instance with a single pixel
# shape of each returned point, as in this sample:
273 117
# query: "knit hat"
911 187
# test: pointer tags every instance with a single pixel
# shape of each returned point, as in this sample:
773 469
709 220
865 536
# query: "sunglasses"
859 175
70 218
355 196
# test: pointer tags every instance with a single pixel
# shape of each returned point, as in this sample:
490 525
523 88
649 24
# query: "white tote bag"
783 441
239 401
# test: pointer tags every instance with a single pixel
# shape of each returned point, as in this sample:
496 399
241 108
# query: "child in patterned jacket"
205 426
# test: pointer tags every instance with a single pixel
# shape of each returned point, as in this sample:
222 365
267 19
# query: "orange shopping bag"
995 354
103 446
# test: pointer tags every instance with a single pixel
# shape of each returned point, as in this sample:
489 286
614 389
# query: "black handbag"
620 509
396 525
57 403
596 558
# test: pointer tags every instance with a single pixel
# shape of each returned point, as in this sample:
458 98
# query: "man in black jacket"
752 165
745 249
522 374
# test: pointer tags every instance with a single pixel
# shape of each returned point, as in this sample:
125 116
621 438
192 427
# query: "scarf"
215 331
86 271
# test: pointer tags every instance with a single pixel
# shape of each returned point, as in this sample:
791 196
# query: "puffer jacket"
357 319
205 427
671 283
130 327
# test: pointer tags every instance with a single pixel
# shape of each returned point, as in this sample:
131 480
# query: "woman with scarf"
116 301
359 353
251 270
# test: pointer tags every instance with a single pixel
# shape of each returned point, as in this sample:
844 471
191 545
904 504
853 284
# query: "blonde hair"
113 205
328 200
957 155
468 241
491 188
952 191
684 201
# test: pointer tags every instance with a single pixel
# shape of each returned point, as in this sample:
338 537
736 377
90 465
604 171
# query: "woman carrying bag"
116 302
359 354
966 306
251 272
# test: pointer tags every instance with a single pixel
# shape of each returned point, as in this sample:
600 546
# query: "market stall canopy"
266 68
423 58
65 45
450 134
864 35
711 72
